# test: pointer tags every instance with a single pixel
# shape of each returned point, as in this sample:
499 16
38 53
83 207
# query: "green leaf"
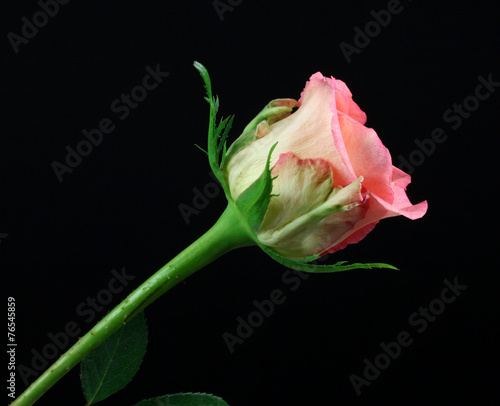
254 201
115 362
184 399
299 265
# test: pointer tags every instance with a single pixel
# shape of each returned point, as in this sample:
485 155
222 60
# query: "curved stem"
228 233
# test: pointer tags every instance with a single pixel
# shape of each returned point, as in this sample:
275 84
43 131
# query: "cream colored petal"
320 228
301 186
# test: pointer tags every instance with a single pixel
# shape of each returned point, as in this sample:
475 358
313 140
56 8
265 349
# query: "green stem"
228 233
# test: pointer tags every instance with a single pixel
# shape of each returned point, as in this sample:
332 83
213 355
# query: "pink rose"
334 178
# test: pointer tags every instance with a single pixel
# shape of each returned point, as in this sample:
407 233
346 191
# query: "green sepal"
301 265
217 134
275 111
254 201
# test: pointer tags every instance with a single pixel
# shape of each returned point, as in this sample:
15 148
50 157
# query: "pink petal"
354 238
368 157
343 97
307 132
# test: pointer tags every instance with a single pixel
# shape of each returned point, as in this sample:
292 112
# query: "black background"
119 207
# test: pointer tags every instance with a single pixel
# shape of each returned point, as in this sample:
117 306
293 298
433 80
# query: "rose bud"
333 179
304 183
